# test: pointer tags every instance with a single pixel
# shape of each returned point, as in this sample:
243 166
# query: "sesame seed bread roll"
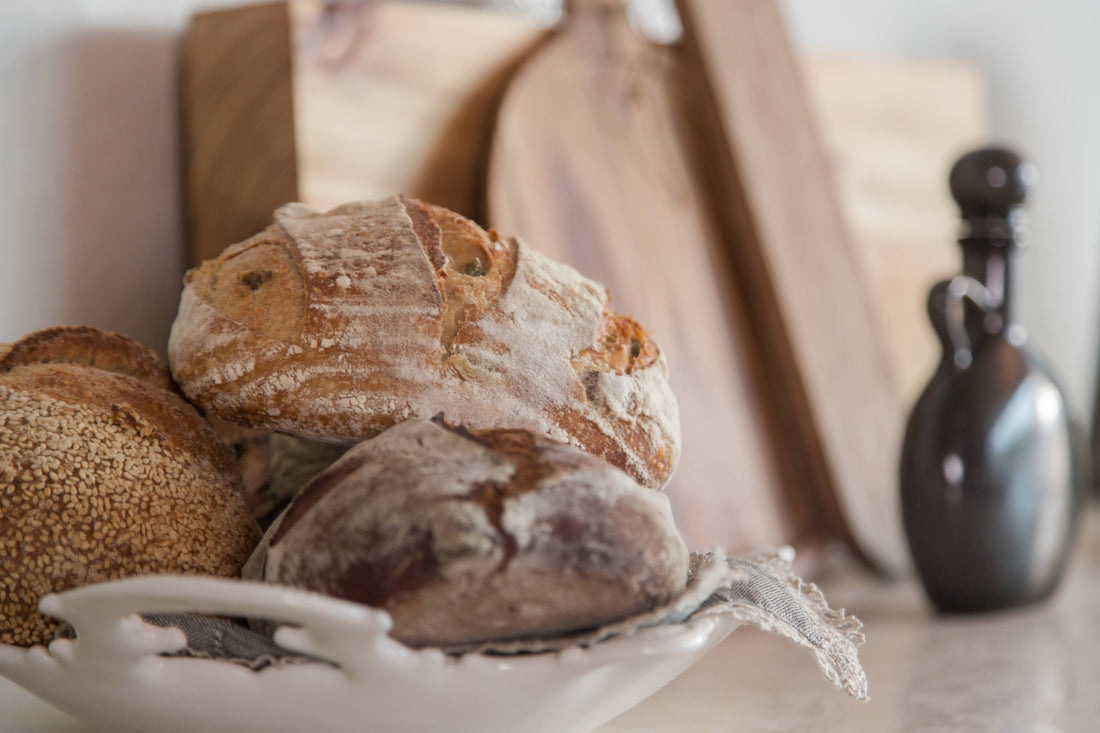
105 472
466 538
335 326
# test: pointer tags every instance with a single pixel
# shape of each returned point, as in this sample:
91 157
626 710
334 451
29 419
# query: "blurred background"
90 185
94 199
1035 60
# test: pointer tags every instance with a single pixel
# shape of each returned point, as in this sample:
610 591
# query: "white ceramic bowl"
112 676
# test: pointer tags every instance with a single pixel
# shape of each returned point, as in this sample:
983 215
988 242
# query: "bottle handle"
960 288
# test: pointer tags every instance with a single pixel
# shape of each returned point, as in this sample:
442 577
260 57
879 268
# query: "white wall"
91 202
90 194
1042 60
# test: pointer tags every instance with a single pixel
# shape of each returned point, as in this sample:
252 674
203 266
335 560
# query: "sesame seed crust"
104 475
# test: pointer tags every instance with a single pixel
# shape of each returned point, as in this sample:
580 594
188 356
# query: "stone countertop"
1034 669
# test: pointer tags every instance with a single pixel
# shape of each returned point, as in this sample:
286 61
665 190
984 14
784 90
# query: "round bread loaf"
105 472
334 326
472 537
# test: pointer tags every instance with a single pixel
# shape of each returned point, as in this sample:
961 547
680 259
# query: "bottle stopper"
990 185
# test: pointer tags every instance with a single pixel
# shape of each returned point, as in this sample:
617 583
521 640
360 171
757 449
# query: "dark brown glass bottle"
992 472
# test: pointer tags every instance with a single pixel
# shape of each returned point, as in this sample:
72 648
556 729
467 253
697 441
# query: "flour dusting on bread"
334 326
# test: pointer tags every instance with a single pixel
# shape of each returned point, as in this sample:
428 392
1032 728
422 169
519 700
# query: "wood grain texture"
240 140
331 102
397 97
591 164
892 129
813 316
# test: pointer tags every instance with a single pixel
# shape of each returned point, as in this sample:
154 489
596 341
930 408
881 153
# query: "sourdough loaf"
472 537
334 326
105 472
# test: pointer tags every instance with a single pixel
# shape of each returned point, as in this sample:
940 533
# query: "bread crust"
335 326
104 473
473 537
88 346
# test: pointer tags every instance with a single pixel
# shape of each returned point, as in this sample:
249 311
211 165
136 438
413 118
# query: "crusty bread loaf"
105 472
334 326
473 537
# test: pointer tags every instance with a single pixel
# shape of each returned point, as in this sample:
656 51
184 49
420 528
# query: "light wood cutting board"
592 162
330 102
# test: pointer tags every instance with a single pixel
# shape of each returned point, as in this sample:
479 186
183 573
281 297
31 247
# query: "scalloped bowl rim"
114 675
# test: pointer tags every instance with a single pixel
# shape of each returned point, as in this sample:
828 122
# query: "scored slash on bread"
334 326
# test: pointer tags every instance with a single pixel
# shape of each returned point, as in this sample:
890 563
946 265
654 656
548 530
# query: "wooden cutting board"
816 317
889 150
330 102
591 162
327 103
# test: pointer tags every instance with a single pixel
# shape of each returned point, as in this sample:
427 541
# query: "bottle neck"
991 265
